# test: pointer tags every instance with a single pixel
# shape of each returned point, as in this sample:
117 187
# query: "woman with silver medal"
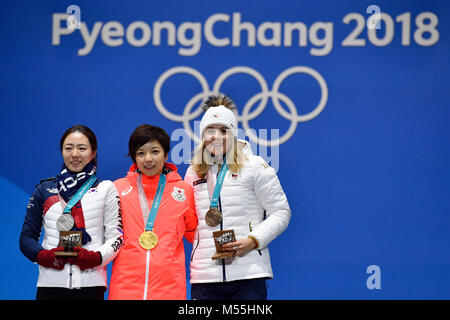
70 203
234 190
158 211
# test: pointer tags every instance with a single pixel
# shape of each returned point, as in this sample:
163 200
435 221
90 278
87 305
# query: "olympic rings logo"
247 114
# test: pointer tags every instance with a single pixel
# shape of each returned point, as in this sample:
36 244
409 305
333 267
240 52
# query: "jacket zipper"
70 277
147 271
224 276
198 241
221 228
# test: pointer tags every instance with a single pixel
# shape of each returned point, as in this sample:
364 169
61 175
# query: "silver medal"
65 222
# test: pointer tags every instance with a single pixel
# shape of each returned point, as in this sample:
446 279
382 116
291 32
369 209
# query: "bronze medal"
148 240
213 217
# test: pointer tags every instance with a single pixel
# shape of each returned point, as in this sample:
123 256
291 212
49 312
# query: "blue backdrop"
362 115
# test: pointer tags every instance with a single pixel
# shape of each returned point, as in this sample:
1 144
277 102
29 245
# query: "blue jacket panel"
32 226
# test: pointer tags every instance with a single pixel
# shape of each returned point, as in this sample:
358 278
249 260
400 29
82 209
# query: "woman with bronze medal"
83 208
158 210
241 208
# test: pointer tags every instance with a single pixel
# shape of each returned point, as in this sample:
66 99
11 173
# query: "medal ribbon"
80 193
156 201
218 186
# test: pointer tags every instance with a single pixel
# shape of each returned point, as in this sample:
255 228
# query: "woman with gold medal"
158 211
233 190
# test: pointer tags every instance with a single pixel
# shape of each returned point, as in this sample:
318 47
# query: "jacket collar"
172 174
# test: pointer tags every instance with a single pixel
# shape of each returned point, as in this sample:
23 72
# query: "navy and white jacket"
103 221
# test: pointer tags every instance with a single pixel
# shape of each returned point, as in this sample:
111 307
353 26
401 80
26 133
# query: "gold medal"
148 240
213 217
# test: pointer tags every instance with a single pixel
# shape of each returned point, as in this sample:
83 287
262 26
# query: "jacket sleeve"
190 219
32 226
113 237
273 200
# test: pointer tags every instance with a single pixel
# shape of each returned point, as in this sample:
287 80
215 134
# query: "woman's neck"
219 159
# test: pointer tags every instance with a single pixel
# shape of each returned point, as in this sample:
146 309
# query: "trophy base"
224 255
66 254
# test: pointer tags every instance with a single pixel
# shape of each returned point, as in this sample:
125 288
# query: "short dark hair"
84 130
146 133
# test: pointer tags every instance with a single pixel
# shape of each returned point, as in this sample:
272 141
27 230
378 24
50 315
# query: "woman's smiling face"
77 151
217 139
150 158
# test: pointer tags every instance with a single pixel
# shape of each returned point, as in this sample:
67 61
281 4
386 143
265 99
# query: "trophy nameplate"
221 238
69 240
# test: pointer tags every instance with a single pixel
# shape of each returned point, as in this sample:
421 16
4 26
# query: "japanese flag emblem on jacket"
178 194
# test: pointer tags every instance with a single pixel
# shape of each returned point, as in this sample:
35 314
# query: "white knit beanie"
219 115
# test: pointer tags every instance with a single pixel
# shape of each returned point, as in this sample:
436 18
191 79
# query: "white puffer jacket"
251 199
103 221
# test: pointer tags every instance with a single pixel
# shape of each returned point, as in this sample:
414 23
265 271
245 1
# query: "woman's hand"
86 259
48 259
241 246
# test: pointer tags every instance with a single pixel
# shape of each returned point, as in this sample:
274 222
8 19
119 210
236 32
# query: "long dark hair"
87 132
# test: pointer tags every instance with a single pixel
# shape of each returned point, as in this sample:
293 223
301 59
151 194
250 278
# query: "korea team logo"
178 194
